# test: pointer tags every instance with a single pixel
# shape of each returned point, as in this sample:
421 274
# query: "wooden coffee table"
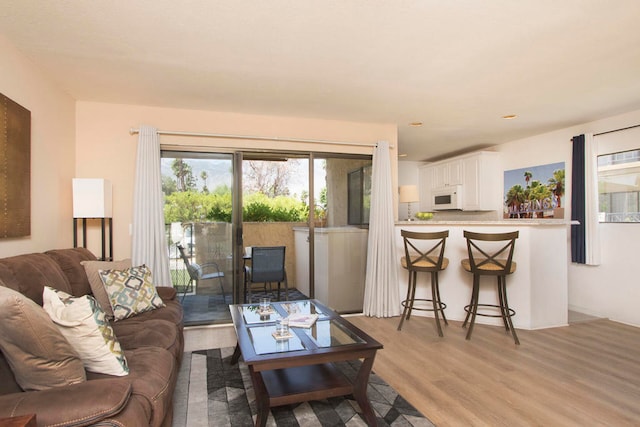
301 368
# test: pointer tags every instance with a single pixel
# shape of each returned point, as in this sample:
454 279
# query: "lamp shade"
92 198
409 194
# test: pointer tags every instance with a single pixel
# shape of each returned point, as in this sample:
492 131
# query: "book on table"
299 320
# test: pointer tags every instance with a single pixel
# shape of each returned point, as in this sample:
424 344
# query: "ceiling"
457 66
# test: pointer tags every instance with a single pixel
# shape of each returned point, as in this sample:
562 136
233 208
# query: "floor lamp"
408 195
92 200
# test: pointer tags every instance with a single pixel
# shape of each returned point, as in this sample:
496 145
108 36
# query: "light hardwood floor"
586 374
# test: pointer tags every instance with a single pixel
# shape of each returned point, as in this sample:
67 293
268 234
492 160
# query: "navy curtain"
578 231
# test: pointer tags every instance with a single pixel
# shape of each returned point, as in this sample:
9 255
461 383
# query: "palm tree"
204 176
527 177
556 184
515 196
538 192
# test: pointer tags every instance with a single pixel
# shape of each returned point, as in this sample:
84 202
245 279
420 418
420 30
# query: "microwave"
447 198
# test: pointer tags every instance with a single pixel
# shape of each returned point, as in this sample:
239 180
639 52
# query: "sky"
219 171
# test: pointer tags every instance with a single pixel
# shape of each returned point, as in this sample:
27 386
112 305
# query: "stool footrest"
440 305
512 312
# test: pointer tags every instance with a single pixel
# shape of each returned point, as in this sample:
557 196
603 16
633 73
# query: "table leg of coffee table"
262 397
236 355
360 391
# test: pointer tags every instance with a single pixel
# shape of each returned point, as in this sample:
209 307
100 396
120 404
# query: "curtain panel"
578 237
381 298
149 238
585 238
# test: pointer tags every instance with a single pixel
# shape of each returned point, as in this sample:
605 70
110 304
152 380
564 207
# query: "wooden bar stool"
429 260
490 259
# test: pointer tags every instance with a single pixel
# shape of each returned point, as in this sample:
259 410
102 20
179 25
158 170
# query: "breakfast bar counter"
538 290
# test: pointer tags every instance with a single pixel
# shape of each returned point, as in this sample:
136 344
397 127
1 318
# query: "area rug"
212 392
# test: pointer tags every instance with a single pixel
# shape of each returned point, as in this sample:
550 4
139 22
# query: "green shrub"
194 206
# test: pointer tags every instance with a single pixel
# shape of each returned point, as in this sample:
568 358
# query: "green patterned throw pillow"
83 323
130 291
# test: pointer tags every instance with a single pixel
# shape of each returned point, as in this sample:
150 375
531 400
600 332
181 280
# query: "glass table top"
326 331
253 315
264 342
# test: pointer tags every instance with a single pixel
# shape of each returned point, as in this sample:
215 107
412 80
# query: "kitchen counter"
506 222
538 290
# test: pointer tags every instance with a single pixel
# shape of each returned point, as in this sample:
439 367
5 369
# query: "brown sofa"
152 342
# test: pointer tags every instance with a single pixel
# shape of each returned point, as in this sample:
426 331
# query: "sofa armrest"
166 293
74 405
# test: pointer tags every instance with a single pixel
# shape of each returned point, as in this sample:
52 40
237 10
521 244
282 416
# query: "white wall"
611 289
52 152
407 175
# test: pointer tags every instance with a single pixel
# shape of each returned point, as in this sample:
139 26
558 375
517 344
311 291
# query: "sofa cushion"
130 291
84 325
28 274
8 383
150 333
92 270
153 373
69 261
172 311
83 404
166 293
39 355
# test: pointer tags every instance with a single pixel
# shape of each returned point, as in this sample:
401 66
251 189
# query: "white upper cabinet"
449 173
476 172
481 191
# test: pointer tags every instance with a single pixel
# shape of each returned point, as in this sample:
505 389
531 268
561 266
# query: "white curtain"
149 239
381 298
592 235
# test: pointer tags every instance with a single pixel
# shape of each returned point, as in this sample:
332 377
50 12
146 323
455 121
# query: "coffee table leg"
360 391
262 398
236 355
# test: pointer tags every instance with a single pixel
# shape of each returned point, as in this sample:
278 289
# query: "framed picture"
535 192
15 169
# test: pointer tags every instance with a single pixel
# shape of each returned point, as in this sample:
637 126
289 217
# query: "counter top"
507 222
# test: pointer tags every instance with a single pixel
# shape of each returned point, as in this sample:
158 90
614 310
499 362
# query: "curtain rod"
616 130
133 131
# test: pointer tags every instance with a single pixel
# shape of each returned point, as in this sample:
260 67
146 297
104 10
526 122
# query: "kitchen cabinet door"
447 173
480 185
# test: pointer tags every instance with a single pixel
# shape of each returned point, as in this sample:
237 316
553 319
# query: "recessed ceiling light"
402 155
510 117
415 124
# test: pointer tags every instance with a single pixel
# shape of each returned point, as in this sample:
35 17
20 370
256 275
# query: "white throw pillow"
83 323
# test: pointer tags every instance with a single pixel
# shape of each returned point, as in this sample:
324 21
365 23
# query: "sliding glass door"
199 194
220 205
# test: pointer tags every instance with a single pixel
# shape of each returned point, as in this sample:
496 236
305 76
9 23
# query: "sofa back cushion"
39 355
69 261
30 273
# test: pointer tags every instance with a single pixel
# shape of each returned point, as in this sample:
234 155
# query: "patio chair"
197 272
267 266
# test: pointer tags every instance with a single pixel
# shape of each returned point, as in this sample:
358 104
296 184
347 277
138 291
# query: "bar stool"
429 260
490 259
